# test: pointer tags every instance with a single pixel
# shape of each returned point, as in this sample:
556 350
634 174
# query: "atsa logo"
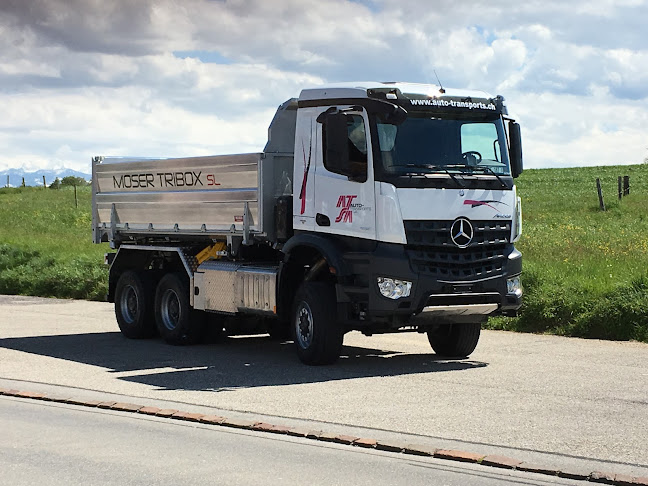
348 207
346 214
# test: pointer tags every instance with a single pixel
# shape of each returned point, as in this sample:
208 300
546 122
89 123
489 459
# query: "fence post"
23 182
76 201
620 188
626 185
44 183
600 194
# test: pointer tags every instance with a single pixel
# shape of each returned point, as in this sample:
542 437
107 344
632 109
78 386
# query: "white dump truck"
374 207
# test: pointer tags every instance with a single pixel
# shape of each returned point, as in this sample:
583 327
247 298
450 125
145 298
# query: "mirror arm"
322 116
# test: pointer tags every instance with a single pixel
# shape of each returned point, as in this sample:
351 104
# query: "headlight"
514 286
393 288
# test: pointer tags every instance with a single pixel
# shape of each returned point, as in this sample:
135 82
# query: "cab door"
344 179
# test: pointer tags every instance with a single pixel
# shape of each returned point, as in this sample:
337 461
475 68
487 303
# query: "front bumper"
434 299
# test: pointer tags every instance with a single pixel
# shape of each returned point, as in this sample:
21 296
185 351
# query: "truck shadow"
242 362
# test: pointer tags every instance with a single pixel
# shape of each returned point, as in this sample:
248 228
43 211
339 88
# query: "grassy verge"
585 271
45 244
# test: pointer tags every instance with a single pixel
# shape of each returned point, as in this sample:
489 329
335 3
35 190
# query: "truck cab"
412 188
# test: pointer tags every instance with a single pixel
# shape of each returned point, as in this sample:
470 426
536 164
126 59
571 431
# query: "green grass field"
45 244
585 271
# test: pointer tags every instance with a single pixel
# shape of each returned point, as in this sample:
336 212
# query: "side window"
345 146
481 138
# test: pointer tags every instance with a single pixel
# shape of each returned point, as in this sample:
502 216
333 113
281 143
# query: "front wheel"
317 334
176 321
455 340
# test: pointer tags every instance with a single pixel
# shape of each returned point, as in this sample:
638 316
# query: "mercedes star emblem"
461 232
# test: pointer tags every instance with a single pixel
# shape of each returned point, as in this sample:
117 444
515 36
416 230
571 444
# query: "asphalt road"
550 400
53 444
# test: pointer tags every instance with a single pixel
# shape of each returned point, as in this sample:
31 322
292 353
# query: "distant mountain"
36 178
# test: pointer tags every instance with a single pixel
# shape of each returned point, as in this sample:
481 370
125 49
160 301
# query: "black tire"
177 322
317 334
455 340
134 304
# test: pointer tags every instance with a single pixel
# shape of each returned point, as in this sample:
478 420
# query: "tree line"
68 181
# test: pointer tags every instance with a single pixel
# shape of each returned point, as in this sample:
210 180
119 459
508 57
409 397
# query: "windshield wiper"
439 168
491 171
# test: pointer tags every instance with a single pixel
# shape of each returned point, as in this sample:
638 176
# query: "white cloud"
50 129
84 77
571 130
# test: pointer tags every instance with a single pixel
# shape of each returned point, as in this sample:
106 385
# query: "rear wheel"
134 305
176 321
317 334
455 340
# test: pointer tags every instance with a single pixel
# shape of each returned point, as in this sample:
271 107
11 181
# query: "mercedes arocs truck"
374 207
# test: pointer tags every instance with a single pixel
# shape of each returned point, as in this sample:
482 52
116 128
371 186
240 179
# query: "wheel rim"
304 325
129 304
170 309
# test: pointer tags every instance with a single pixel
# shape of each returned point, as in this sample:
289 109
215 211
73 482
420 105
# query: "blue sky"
165 78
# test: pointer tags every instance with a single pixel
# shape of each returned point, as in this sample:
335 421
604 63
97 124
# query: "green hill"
585 271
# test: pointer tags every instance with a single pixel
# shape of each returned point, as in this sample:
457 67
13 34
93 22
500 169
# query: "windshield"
433 144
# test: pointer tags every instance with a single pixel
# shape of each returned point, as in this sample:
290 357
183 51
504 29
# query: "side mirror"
515 150
396 116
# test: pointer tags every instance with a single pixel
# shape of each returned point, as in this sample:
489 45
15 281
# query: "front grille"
432 252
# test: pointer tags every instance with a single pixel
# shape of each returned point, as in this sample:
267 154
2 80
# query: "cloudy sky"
196 77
